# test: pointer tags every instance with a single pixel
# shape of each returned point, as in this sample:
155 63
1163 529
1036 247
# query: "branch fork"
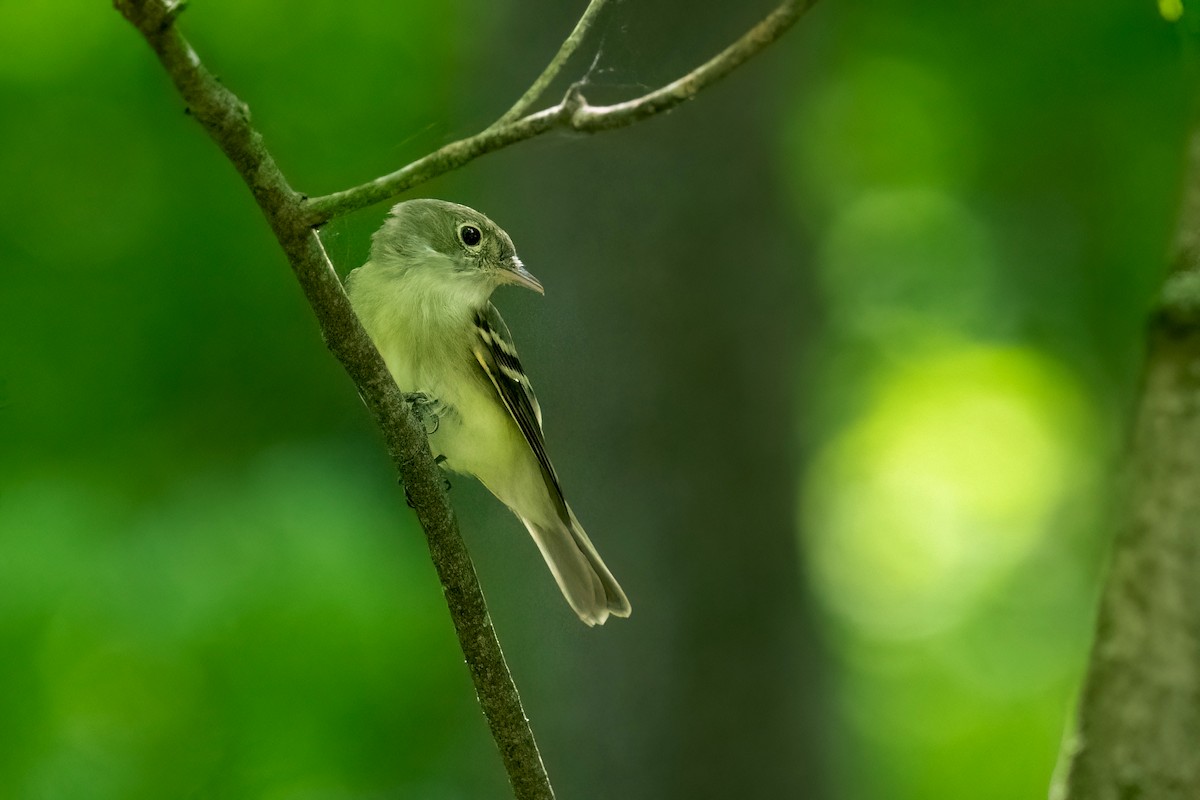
294 218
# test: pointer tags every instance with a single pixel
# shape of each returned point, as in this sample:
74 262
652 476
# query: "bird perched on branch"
423 297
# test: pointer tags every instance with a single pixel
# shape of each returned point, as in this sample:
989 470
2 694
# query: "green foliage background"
209 583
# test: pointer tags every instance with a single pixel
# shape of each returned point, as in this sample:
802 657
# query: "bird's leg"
440 460
429 411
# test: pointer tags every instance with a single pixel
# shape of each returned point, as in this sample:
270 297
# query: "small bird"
423 297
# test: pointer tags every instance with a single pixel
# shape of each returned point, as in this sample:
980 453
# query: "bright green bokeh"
930 500
905 266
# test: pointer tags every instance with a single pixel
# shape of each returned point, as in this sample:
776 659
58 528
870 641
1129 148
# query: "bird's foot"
439 460
428 410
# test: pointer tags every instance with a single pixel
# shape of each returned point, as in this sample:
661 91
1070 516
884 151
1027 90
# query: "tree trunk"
1139 718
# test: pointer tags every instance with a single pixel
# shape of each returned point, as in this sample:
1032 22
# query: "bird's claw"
439 460
429 410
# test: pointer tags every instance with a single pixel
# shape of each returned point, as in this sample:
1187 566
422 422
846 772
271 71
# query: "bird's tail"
581 575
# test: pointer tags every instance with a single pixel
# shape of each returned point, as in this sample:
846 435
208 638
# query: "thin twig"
226 119
569 46
573 113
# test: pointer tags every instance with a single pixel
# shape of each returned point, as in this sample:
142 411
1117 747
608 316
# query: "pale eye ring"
470 235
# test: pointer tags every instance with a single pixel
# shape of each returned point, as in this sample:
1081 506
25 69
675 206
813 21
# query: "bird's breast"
474 431
427 346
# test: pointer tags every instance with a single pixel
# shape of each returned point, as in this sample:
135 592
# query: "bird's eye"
470 235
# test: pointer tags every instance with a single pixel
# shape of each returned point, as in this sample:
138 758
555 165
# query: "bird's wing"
494 350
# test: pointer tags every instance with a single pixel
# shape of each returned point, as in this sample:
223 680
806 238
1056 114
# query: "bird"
424 298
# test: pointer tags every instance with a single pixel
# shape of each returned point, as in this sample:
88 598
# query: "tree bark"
1139 717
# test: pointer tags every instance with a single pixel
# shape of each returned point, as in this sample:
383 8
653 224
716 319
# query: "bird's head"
437 241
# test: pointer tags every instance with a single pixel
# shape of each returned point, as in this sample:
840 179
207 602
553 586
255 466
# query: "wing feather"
498 359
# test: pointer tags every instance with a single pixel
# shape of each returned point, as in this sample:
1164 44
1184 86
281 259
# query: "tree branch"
1139 715
227 121
573 113
292 219
569 46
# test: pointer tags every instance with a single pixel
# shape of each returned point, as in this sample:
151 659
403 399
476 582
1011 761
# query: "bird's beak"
513 271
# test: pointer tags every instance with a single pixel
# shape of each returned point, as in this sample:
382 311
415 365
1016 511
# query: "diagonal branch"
227 121
573 113
569 46
292 218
